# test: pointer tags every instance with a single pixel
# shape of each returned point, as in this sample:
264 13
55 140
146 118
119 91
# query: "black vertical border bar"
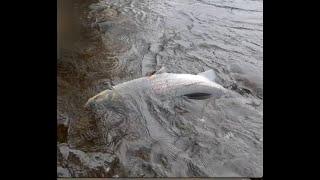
58 29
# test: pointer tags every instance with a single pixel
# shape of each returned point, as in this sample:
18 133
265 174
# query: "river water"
120 40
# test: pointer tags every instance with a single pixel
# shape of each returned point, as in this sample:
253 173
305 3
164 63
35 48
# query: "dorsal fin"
209 74
161 70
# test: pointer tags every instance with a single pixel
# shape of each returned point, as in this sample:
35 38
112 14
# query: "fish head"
102 96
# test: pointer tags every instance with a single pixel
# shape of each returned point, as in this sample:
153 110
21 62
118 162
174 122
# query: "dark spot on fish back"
198 96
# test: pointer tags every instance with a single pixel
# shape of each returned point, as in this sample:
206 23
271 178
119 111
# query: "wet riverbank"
114 41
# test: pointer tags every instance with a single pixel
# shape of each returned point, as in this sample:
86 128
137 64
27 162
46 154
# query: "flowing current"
122 40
